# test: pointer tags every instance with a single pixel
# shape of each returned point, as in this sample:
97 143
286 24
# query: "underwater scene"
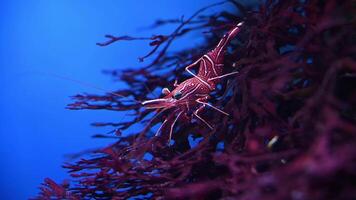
204 99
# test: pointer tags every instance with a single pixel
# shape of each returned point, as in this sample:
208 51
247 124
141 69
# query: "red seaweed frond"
52 190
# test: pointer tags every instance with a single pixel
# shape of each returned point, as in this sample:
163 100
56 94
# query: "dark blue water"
43 37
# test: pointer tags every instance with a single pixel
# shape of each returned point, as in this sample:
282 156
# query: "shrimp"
193 93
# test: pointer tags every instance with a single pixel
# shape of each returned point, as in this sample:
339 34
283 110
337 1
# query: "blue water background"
39 38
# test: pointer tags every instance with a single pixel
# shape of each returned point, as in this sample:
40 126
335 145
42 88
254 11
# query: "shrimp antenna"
88 85
149 90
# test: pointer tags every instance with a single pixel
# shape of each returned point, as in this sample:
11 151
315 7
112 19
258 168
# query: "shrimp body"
193 93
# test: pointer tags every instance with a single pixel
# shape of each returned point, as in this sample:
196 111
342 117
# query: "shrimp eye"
177 95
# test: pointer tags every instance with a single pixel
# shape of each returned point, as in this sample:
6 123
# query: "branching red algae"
291 133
